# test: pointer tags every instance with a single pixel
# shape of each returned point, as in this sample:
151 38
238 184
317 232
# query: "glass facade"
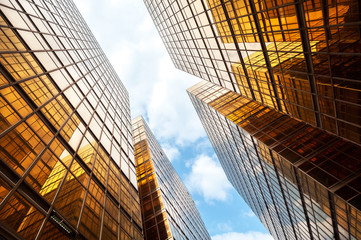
302 182
66 150
282 105
168 210
298 57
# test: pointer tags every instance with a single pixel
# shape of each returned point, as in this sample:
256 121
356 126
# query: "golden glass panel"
326 106
110 229
3 80
100 169
349 131
8 117
164 229
41 171
264 152
31 224
5 37
275 23
4 189
136 212
125 223
16 101
96 191
91 217
57 112
72 192
70 198
78 171
57 148
39 89
19 215
242 26
51 231
152 233
111 207
113 184
8 40
17 65
52 183
124 235
125 199
137 234
20 147
70 127
152 205
345 217
294 92
39 127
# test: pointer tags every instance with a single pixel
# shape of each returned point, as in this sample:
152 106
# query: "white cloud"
208 179
224 227
171 152
146 26
250 213
243 236
170 111
116 2
84 8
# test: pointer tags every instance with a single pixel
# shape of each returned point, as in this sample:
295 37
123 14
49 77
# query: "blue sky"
157 90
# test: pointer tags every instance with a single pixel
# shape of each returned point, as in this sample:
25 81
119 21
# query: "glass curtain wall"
168 209
66 153
303 183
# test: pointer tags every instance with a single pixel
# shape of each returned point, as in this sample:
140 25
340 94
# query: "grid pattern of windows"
303 183
66 150
299 57
168 210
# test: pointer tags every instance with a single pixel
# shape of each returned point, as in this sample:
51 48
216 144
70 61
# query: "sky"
157 91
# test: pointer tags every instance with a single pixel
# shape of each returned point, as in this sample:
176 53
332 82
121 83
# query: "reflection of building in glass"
168 210
66 154
302 182
299 57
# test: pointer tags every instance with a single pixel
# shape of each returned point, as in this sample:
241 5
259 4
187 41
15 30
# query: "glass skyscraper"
66 149
281 104
302 182
168 210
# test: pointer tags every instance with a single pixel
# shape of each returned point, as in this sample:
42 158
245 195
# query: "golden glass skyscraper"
168 210
282 104
298 57
302 182
66 149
